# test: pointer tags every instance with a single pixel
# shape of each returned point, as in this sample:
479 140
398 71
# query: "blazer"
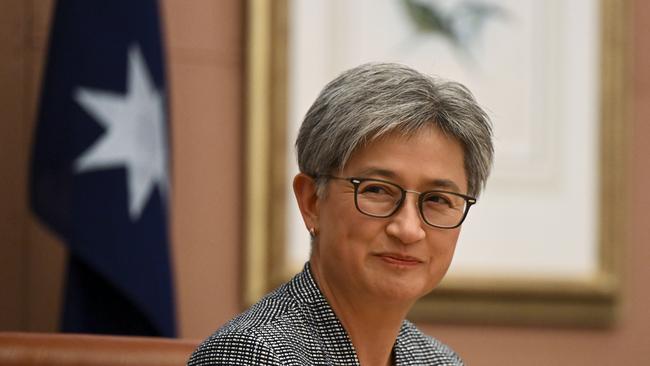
295 325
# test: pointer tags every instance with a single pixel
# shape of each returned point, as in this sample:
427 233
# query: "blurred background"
205 49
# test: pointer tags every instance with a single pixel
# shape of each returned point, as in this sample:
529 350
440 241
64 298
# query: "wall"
205 59
32 261
206 69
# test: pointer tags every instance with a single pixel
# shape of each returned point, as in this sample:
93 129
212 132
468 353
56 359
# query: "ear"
304 187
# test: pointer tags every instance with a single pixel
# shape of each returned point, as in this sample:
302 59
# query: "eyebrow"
390 175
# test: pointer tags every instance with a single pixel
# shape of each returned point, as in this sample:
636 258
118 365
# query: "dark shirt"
295 325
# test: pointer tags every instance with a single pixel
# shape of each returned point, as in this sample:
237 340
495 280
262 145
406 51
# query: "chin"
398 291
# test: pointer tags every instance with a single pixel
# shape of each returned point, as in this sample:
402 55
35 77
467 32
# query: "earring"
312 232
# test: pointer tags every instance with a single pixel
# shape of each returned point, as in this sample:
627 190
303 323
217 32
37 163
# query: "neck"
371 323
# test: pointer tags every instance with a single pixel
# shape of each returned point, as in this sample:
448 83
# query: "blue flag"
100 170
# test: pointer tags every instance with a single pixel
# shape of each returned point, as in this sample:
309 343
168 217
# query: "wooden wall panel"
32 259
12 206
205 68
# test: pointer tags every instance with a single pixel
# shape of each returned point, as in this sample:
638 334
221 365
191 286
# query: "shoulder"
234 348
424 348
258 336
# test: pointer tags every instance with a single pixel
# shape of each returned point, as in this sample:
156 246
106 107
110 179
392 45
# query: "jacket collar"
336 341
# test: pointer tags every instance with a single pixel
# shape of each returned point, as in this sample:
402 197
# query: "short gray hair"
372 100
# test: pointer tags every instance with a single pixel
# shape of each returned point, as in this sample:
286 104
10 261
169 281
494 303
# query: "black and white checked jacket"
294 325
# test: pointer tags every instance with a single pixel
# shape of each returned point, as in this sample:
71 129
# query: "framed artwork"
543 243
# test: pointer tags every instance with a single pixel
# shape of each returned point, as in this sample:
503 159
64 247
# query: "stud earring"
312 232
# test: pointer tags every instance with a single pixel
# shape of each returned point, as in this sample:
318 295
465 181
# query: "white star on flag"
135 135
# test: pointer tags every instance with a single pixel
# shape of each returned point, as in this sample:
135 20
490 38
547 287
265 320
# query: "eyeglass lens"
382 199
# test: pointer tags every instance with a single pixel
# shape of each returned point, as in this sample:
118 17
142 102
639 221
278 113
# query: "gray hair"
372 100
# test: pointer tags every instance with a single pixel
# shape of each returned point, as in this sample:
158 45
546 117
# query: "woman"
390 162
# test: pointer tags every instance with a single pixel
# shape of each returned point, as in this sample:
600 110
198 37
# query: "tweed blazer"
295 325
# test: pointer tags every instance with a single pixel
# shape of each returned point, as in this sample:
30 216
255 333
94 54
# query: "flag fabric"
100 166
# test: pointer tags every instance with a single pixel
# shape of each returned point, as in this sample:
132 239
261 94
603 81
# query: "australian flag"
100 173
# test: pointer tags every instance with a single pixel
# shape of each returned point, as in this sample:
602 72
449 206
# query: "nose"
406 224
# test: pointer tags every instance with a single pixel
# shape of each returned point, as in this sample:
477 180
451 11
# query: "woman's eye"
438 199
375 189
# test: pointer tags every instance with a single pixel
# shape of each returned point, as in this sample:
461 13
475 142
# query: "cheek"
340 218
443 247
348 235
337 225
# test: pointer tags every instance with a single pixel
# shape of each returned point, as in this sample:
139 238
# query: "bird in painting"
460 24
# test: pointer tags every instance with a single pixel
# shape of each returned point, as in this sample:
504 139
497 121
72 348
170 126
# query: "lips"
399 259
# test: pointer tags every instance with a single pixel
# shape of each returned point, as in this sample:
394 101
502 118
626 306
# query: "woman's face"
399 258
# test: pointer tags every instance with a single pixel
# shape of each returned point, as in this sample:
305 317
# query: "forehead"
418 159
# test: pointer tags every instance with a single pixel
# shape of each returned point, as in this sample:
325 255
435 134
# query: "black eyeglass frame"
356 182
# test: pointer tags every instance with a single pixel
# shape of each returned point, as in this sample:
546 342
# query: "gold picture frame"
585 302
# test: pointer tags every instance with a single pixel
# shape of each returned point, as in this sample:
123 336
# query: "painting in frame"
543 244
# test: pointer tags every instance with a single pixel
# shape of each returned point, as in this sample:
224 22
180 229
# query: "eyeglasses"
380 198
